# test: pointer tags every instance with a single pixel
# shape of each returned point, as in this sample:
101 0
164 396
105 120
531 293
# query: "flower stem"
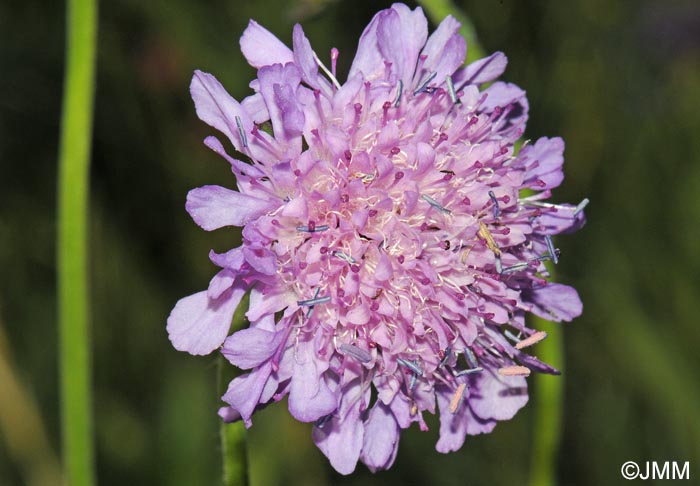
548 407
234 453
439 9
74 161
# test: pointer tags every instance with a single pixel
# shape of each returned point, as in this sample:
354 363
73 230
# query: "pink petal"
198 324
214 207
262 48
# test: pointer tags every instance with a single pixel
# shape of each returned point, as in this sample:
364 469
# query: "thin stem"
234 453
74 158
439 9
548 407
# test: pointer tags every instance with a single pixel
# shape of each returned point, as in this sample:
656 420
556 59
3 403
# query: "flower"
389 247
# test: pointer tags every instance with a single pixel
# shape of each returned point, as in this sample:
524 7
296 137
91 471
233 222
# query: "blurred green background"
620 81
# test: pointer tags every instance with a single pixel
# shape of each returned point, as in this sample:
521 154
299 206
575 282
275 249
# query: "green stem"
548 407
439 9
233 442
74 158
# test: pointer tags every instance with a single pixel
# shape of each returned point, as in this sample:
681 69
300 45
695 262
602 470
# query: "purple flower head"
388 246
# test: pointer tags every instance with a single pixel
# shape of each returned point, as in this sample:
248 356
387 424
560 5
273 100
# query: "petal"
341 438
278 85
232 259
221 282
445 50
304 58
310 398
261 259
217 108
544 162
249 348
400 36
368 60
244 391
381 438
198 324
566 219
262 48
497 397
554 302
229 415
481 71
214 207
384 269
238 167
453 426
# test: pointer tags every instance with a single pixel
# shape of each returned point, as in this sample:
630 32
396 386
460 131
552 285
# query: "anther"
398 176
372 213
314 301
320 423
581 206
344 257
241 132
457 397
550 249
348 155
446 358
399 92
435 204
514 268
401 259
451 89
511 336
499 265
490 242
469 371
425 82
312 228
359 354
514 371
532 339
471 359
411 365
496 210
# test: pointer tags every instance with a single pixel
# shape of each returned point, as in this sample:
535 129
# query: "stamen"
471 359
425 82
514 371
312 229
469 371
320 423
530 340
511 336
445 359
399 92
514 268
314 301
490 242
412 384
496 209
311 308
241 132
344 257
325 70
359 354
451 89
411 365
581 206
457 397
499 265
435 204
550 249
